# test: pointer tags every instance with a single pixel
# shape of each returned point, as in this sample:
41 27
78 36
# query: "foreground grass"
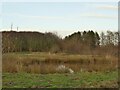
78 80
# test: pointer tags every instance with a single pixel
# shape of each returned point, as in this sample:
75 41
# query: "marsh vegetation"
82 59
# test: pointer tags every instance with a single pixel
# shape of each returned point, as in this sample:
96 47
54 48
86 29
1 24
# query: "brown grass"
47 63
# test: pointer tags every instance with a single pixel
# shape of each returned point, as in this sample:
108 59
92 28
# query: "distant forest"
87 42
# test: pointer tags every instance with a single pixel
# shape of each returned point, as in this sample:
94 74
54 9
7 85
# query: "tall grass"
47 63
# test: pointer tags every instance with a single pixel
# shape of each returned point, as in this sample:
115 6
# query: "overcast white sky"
61 17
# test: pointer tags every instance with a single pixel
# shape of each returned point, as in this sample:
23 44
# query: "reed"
44 63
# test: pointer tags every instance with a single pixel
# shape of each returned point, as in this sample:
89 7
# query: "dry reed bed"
47 63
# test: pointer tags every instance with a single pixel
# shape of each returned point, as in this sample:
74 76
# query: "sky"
62 18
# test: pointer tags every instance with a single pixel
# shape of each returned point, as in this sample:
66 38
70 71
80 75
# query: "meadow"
60 45
76 80
38 70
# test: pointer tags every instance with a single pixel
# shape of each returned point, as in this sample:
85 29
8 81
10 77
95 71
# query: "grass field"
38 70
78 80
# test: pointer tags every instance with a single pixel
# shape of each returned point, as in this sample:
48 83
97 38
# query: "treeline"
28 41
87 42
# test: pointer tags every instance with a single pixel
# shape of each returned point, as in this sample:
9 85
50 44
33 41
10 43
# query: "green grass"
79 80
